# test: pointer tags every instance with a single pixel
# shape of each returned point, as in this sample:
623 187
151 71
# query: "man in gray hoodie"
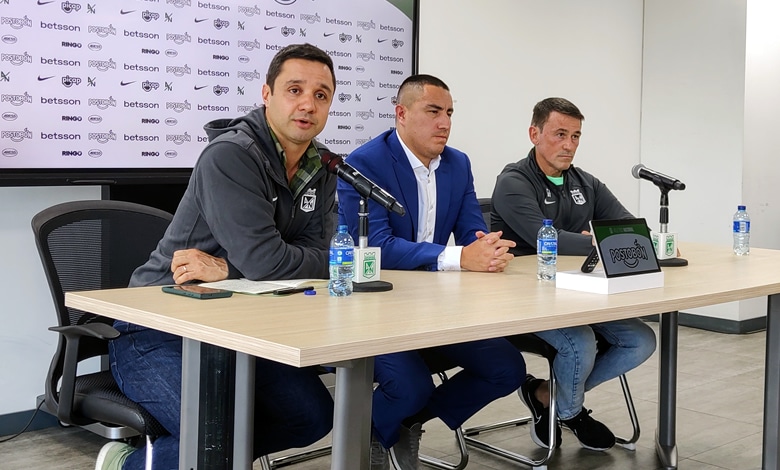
258 205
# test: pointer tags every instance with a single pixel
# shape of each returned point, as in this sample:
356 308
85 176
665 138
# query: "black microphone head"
635 170
330 161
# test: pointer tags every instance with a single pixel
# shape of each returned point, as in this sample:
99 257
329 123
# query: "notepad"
245 286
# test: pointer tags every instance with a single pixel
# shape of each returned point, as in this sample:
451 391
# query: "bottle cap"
740 208
310 292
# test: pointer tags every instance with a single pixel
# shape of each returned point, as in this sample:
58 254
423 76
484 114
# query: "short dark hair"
418 82
543 109
297 51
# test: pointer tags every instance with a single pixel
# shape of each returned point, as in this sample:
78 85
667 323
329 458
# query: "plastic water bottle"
546 251
741 231
341 261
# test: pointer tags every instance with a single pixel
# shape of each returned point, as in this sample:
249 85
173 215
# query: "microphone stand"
370 286
663 227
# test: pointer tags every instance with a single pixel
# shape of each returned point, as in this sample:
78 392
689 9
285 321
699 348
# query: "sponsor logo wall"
130 84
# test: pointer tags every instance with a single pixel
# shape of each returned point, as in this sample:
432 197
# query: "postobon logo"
178 139
243 109
630 255
311 19
362 141
250 11
285 2
365 84
16 59
102 31
102 137
178 107
366 25
365 115
178 70
220 90
102 103
249 76
178 38
16 23
366 56
102 65
17 136
250 45
69 81
179 3
16 100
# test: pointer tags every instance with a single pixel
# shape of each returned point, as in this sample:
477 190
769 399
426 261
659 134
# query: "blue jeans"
293 408
579 367
491 369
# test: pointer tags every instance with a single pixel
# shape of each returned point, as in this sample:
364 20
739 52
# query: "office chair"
86 245
531 343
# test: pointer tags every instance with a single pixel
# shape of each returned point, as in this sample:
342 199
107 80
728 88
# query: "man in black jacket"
258 205
545 185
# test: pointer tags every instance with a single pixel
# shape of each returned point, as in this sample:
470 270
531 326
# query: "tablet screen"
624 246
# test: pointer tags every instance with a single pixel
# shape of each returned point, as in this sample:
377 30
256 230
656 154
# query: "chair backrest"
87 245
486 205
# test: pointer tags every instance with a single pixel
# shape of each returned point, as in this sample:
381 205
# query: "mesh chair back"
86 245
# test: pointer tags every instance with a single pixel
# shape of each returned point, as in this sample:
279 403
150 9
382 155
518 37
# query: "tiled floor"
720 398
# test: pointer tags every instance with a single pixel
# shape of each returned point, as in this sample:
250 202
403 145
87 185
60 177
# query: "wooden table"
428 309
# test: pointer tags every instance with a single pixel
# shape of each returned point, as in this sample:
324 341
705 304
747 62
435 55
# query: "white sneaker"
113 455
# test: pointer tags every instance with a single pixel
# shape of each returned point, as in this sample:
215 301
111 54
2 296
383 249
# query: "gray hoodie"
238 206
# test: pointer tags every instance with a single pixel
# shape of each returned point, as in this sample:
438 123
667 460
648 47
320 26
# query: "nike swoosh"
381 40
328 34
268 28
380 99
549 202
200 87
122 12
126 83
40 79
201 21
44 3
274 199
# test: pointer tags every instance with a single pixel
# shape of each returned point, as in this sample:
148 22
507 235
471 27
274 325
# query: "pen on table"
292 290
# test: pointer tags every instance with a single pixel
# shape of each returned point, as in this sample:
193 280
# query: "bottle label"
547 247
741 226
341 256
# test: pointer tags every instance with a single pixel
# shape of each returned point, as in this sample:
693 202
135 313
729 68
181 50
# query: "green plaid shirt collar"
309 165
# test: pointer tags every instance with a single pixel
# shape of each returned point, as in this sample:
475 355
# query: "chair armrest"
72 336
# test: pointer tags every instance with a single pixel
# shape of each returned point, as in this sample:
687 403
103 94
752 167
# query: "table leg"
244 430
352 414
772 385
665 437
190 391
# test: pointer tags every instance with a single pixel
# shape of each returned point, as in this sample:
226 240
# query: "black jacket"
523 197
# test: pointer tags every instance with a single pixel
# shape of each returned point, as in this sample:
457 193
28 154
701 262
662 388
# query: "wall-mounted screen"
121 89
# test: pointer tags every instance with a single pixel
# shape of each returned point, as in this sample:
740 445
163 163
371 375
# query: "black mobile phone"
590 261
197 292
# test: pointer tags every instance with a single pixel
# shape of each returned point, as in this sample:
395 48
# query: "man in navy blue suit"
435 184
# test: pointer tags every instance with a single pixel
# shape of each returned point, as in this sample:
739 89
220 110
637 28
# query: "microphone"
364 186
659 179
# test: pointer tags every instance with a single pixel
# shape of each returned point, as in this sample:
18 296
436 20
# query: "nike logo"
40 79
328 34
200 21
44 3
122 12
549 202
126 83
381 40
268 28
274 199
200 87
380 98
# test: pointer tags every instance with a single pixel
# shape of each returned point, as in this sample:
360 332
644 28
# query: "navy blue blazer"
383 161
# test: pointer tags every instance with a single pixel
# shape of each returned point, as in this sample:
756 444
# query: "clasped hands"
488 253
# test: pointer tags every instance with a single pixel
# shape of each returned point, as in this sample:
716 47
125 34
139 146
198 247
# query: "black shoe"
592 434
540 430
